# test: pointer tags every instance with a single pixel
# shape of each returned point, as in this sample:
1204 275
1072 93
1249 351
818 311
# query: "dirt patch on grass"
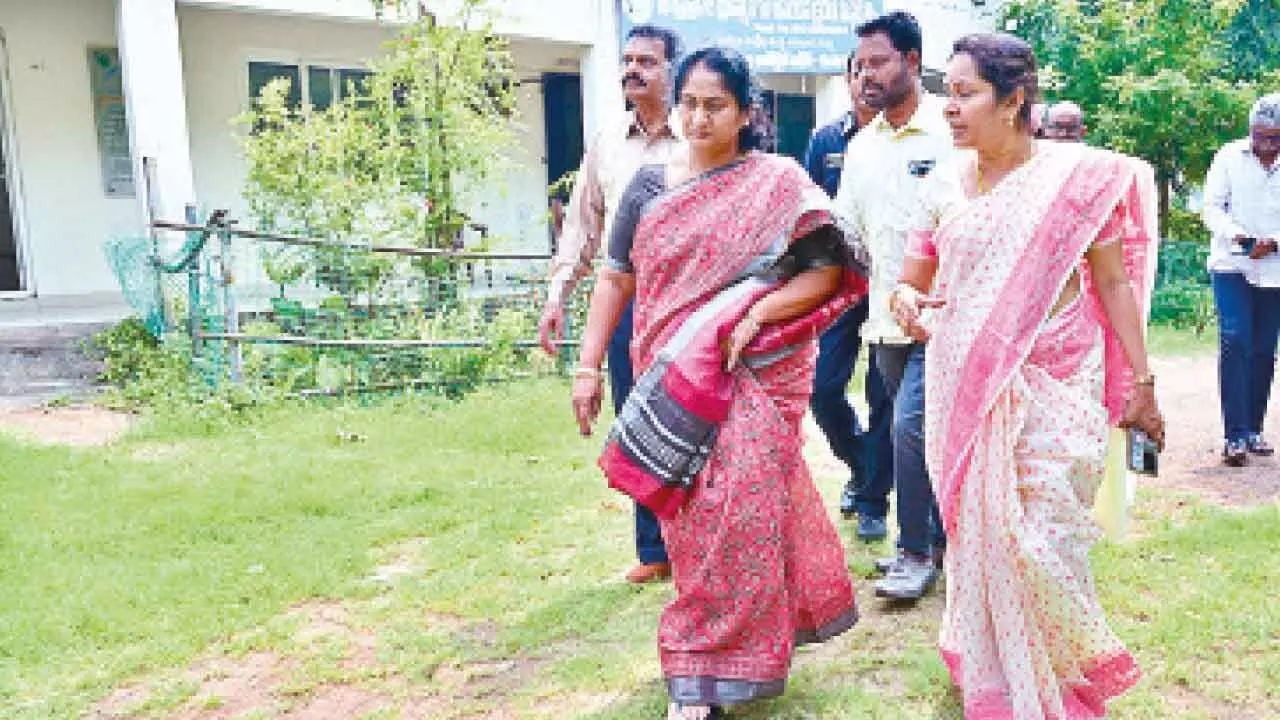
79 425
221 687
1186 701
330 668
1192 462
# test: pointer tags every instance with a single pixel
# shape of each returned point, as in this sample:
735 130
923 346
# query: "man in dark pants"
881 193
1242 210
869 454
645 135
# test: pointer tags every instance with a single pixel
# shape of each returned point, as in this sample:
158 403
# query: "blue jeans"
919 524
649 545
1248 325
868 454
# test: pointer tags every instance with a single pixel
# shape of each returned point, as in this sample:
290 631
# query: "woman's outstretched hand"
1143 412
906 303
588 389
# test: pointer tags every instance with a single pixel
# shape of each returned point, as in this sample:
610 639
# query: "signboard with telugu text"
812 37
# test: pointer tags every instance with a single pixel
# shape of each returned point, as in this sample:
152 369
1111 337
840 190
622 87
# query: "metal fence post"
193 291
231 316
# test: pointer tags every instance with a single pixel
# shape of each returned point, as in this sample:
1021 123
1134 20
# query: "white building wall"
339 9
66 215
562 21
217 46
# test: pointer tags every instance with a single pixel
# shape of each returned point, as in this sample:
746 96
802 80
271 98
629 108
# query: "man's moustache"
632 78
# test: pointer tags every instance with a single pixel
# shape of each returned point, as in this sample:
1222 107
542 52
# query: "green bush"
1185 226
126 350
1184 305
1183 297
162 376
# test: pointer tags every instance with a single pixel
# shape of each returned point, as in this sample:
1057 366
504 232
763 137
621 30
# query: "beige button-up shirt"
617 152
881 194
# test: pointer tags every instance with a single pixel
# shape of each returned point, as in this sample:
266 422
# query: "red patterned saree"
758 566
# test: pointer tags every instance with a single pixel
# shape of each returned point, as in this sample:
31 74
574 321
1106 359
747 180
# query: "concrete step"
40 363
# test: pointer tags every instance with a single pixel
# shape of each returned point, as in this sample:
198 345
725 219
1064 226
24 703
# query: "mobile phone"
1144 453
920 168
1246 246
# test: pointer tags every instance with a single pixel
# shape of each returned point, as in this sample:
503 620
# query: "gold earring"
1009 121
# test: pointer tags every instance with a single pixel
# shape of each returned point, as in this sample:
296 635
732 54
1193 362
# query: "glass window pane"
320 86
350 78
261 73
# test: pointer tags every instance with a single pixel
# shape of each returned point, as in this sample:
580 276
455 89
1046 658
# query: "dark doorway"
10 269
562 105
562 117
795 116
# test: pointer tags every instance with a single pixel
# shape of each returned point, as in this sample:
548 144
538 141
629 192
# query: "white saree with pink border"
1019 402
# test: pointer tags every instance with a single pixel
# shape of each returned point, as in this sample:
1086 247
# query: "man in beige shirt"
645 135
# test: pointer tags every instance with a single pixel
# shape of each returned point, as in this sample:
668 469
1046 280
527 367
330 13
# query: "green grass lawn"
473 555
1165 341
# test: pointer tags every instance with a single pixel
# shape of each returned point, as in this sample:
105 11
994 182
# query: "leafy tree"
1254 38
399 157
1157 78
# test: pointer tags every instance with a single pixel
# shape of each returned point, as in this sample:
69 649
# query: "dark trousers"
649 545
1248 325
868 454
919 524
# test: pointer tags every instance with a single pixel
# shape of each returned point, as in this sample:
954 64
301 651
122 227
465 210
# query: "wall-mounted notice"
776 36
106 82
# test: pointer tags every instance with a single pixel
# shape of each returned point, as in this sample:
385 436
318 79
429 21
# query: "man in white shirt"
881 193
645 135
1242 211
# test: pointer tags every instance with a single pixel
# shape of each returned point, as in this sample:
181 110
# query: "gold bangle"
587 372
1148 379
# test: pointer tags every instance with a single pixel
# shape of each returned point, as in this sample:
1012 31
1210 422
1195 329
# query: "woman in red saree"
1031 284
736 264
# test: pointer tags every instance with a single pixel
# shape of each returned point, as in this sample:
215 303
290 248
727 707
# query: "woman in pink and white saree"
1030 284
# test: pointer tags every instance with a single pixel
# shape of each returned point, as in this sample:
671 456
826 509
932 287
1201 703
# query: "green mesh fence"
308 316
133 261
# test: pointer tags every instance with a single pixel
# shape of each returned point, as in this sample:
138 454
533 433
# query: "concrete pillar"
151 56
601 83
